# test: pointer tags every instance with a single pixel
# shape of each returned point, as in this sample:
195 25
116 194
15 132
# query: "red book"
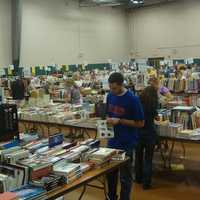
37 174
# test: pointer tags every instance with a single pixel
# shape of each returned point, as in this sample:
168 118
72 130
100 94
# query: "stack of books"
71 171
190 134
169 129
13 157
85 167
35 145
71 156
3 152
196 119
192 85
37 167
49 182
120 155
13 176
183 115
102 155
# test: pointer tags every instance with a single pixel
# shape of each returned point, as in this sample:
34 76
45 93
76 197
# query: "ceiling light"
137 1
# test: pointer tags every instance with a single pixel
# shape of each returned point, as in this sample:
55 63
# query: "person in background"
148 138
72 92
18 89
125 114
163 92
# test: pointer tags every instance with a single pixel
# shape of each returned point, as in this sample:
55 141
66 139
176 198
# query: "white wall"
5 33
166 30
54 31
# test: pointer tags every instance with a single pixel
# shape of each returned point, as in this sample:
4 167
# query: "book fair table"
79 128
167 149
85 180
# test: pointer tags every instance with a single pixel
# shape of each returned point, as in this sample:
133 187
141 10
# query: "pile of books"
12 176
183 115
102 155
49 182
189 134
53 113
47 163
6 151
37 168
71 171
13 157
35 145
169 129
192 85
30 192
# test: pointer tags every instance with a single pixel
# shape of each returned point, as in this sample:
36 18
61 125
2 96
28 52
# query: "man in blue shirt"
125 113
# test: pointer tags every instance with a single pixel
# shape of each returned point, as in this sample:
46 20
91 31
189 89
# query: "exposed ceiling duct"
122 3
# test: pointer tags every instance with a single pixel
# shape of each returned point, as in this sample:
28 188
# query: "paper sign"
103 130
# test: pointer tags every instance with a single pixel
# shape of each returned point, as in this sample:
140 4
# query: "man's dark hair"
116 77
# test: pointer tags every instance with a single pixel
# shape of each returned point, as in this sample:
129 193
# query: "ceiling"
121 3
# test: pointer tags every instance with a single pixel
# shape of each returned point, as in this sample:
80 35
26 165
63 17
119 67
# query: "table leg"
171 154
83 192
184 151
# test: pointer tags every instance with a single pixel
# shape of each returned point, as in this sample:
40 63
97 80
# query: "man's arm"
132 123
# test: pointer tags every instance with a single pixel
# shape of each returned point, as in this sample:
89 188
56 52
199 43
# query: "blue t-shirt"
128 107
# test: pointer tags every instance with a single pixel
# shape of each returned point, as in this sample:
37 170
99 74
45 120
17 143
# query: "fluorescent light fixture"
137 1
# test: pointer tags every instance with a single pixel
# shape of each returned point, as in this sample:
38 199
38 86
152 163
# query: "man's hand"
113 121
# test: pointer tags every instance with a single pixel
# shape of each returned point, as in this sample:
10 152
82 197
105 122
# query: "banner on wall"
2 72
168 62
27 71
189 61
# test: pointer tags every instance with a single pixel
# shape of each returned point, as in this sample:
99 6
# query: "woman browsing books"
147 140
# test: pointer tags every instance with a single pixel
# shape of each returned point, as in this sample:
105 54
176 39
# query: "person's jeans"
126 180
143 162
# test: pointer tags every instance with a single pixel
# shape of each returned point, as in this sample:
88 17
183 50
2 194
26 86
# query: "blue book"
56 140
28 192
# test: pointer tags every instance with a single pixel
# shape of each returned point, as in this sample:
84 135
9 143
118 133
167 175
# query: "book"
80 149
85 167
104 131
29 192
13 157
36 174
34 163
102 155
3 183
71 156
55 140
9 150
65 168
23 176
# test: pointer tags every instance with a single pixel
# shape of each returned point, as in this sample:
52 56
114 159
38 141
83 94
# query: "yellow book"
33 71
